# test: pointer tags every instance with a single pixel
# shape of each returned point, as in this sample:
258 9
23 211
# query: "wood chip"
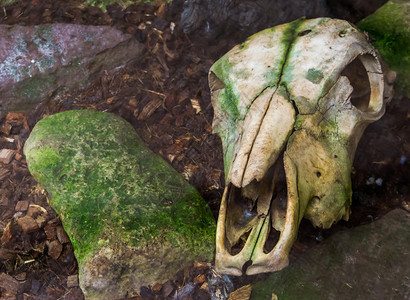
72 281
6 254
54 249
7 235
200 279
196 106
28 224
4 173
62 235
6 155
22 205
149 109
41 221
8 283
51 231
157 287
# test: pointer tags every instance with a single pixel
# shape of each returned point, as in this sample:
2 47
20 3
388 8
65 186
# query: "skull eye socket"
357 75
366 79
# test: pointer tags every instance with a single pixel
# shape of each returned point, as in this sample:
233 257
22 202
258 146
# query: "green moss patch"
389 26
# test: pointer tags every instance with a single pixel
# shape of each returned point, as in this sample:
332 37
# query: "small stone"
22 205
54 249
8 283
72 281
50 231
6 155
28 224
62 235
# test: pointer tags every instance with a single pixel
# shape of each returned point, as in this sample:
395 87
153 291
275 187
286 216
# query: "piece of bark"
22 205
54 249
72 281
50 231
62 235
6 155
28 224
4 173
6 254
8 283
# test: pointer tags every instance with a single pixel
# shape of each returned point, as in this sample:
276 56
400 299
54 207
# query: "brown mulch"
165 96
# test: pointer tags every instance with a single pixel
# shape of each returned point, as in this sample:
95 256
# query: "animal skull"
291 104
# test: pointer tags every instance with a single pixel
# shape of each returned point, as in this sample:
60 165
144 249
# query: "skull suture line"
290 107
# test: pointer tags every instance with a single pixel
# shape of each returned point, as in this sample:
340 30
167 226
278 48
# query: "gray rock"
51 58
367 262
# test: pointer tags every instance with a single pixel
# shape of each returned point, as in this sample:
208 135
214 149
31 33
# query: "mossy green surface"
108 187
389 26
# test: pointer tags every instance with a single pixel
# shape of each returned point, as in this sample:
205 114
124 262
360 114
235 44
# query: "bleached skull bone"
290 105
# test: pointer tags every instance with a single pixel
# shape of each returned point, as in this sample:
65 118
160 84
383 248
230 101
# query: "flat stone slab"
132 219
367 262
48 58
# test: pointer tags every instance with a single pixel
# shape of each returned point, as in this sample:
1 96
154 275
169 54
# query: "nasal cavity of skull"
272 240
278 206
359 79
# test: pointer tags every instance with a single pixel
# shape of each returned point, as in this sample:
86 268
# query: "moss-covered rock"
390 27
367 262
132 219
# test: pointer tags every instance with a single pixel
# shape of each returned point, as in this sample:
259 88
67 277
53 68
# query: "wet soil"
165 96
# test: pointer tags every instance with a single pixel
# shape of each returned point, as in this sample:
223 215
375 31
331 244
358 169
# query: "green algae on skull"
301 111
112 192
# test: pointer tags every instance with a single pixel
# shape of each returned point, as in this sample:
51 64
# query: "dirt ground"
165 96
